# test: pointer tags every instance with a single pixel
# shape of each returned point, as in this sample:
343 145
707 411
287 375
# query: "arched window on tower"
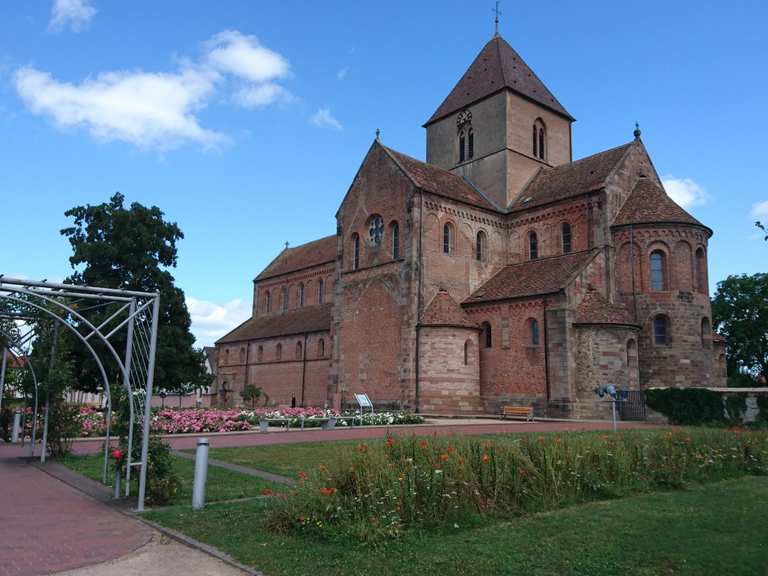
661 330
533 245
565 232
701 271
481 246
284 296
267 301
487 334
658 271
539 138
301 294
279 352
394 229
355 251
299 350
320 291
533 328
462 142
321 347
260 354
467 351
448 238
470 143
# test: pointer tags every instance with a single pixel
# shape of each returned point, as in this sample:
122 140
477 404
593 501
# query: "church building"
500 271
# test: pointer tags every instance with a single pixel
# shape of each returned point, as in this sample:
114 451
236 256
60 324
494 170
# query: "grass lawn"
221 484
287 459
713 529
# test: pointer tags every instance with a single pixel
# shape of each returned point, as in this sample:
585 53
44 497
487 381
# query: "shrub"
686 406
162 482
377 491
63 426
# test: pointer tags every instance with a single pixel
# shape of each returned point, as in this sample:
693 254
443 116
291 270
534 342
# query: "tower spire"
498 13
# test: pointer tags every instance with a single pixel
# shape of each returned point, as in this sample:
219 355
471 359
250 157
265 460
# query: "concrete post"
201 474
16 427
116 487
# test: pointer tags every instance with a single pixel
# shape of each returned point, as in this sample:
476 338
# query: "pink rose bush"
211 420
186 421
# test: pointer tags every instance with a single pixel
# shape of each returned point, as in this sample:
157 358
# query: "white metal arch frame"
18 350
138 315
96 358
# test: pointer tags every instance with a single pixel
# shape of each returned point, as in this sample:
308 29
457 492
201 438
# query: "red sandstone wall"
447 384
375 312
512 369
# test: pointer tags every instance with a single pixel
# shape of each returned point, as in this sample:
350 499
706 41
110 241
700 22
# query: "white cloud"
324 118
234 53
146 109
160 109
259 95
684 191
341 74
210 321
760 211
73 13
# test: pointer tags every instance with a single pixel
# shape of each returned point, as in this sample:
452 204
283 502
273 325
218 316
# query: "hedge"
693 406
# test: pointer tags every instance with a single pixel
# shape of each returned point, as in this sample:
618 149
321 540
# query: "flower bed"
191 421
379 489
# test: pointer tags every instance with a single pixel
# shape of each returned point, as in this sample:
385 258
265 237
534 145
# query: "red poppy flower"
117 454
266 492
327 490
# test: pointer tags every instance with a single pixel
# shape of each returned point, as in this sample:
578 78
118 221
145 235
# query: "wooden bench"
517 412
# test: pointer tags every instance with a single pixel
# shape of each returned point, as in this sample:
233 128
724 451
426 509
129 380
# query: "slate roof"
648 204
438 181
532 278
495 68
443 310
310 254
594 309
300 321
568 180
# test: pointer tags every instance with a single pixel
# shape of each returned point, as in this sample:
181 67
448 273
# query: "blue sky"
246 121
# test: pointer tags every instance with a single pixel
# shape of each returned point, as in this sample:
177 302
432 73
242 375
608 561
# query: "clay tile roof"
495 68
568 180
443 310
308 319
439 181
532 278
594 309
648 203
310 254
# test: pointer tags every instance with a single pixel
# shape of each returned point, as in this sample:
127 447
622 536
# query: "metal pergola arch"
137 313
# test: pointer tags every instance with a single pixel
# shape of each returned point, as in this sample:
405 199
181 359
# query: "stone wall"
449 380
512 369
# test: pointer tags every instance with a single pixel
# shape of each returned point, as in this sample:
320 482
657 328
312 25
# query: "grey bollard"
16 427
201 474
116 491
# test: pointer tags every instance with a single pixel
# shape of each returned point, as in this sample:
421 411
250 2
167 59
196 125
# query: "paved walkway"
47 526
439 428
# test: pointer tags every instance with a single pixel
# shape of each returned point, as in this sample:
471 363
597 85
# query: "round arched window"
376 230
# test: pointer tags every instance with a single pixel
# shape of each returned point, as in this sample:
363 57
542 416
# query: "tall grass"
377 490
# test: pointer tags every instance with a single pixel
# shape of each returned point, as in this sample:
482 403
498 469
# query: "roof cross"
498 13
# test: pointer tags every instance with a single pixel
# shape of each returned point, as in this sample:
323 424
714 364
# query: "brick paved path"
47 526
367 432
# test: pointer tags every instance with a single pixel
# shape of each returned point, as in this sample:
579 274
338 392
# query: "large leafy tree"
740 312
133 248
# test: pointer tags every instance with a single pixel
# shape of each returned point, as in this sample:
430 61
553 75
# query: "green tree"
740 313
132 248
